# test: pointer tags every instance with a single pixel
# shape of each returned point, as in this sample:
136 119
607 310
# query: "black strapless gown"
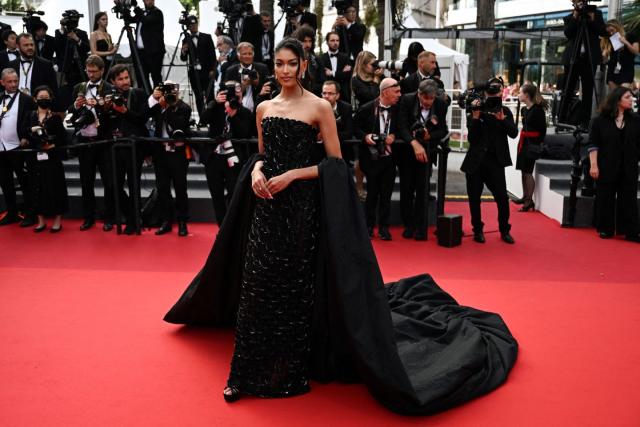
298 278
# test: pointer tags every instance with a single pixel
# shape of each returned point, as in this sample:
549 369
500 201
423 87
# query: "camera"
82 118
232 97
30 20
234 9
379 149
290 7
341 6
123 10
251 74
388 65
70 20
170 92
115 98
420 129
488 104
41 137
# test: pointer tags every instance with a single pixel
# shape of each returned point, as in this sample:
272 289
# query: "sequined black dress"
276 297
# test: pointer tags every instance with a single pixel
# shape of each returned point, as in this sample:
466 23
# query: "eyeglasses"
329 93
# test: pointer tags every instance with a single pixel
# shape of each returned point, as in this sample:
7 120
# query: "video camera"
30 21
70 20
186 20
341 6
290 7
127 10
170 92
234 9
487 104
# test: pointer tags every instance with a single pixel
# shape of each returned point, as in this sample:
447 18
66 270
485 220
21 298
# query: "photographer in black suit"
352 38
376 125
72 49
487 157
344 118
422 124
265 43
45 44
129 112
299 17
150 40
171 116
91 120
32 70
252 75
587 57
227 119
15 109
204 62
337 66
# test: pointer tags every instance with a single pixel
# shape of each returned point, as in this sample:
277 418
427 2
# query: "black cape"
416 349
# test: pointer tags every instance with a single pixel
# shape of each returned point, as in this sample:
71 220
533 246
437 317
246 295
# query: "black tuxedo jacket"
344 78
25 106
72 65
206 54
48 49
485 132
176 117
308 18
104 130
344 120
42 73
251 30
242 125
133 122
4 59
355 37
410 112
411 83
152 31
233 73
616 154
258 46
367 121
595 29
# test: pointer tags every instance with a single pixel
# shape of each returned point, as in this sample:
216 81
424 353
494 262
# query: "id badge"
41 157
170 148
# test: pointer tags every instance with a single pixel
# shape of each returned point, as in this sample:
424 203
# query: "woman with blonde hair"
366 78
620 67
100 40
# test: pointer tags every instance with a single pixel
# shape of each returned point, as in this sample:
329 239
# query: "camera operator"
375 125
587 56
171 116
422 123
45 44
337 66
15 108
90 118
264 52
32 70
252 75
129 112
354 30
344 118
10 52
150 40
297 16
427 66
227 120
314 74
487 157
72 48
205 61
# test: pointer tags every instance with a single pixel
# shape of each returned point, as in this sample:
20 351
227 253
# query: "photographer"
46 172
15 108
171 116
129 111
337 66
297 16
366 78
264 51
91 120
227 56
581 57
252 75
204 61
227 119
314 74
351 32
10 52
427 65
45 44
422 123
72 48
32 70
488 155
375 125
344 120
150 40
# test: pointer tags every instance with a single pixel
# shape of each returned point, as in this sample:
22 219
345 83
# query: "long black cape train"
416 349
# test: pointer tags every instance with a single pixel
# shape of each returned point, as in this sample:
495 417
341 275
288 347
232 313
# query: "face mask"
43 103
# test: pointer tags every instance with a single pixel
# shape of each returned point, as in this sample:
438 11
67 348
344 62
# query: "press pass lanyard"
7 107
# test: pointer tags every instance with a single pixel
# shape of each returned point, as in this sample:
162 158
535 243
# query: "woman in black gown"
100 40
47 180
293 269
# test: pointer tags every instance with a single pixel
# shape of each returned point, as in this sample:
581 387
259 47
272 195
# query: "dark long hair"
534 94
96 18
609 107
296 48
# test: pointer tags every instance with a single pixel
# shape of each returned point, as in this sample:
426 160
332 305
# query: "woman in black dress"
621 64
410 63
293 269
49 187
614 151
366 79
534 130
100 40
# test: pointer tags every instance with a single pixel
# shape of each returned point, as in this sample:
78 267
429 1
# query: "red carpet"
83 342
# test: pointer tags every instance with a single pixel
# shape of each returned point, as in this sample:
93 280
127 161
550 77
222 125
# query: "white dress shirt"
26 70
9 138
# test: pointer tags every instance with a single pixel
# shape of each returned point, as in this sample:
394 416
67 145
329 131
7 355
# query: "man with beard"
32 70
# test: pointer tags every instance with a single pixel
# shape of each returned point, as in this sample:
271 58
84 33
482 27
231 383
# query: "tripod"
193 67
141 77
75 56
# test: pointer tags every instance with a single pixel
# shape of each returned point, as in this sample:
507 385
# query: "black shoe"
478 236
370 231
182 228
587 192
129 230
87 224
506 237
407 233
421 235
107 226
55 230
40 228
9 218
231 394
605 235
633 238
432 198
518 201
528 206
164 229
384 234
28 221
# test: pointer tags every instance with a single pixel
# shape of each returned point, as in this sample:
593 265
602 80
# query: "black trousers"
413 189
380 175
126 169
491 174
585 72
94 158
171 168
152 64
221 177
14 163
622 196
202 79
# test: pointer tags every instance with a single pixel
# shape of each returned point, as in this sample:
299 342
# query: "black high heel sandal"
527 207
231 394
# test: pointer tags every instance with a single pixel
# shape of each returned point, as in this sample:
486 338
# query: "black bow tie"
92 85
194 36
26 61
333 55
15 52
384 108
